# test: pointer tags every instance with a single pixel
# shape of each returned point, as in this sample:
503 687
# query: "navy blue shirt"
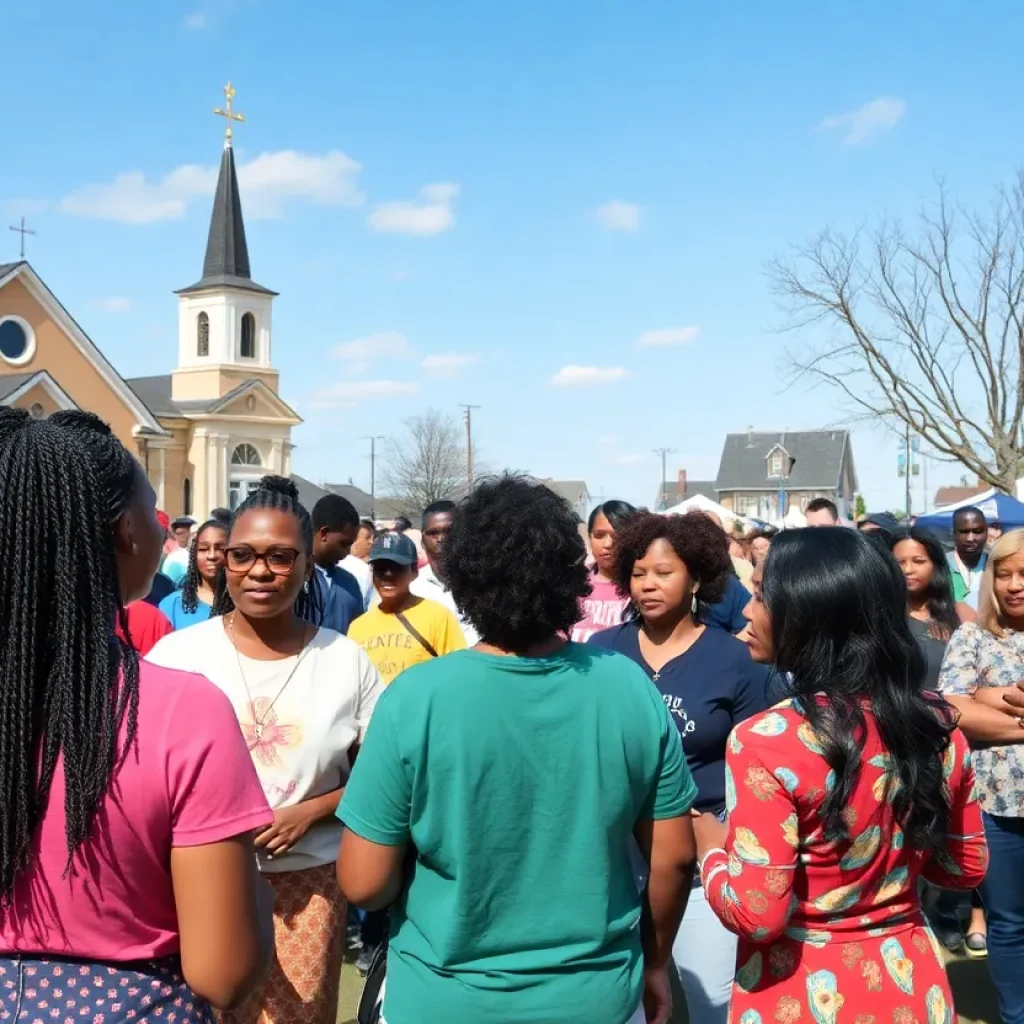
707 689
341 606
727 614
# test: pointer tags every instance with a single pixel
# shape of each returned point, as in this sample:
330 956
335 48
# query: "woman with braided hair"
127 886
194 601
303 695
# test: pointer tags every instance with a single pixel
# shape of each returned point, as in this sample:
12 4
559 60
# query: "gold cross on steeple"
227 112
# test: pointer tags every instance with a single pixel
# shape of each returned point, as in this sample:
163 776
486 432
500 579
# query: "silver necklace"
260 723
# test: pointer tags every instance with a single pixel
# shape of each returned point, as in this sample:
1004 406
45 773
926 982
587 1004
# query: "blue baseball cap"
394 547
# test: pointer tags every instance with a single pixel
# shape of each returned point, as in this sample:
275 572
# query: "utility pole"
910 471
468 415
664 453
373 439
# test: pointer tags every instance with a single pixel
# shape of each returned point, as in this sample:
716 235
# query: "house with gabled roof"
205 432
800 464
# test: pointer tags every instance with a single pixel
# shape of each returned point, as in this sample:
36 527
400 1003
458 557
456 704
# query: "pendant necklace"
259 724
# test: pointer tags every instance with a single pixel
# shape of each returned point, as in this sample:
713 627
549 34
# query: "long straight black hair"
838 610
939 599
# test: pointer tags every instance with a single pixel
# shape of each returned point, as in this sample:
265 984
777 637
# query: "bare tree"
427 462
926 330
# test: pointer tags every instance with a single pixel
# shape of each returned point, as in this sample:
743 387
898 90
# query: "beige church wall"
37 395
213 382
60 357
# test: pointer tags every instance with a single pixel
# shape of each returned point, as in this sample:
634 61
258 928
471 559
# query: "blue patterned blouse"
976 658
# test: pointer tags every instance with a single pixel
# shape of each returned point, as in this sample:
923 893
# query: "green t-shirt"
518 781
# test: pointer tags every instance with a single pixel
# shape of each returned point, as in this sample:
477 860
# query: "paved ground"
975 1000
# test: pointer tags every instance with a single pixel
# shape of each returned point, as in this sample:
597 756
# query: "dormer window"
776 464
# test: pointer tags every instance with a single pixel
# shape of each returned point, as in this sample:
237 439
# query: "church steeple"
227 256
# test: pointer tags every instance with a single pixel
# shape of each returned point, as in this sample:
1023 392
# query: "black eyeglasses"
280 561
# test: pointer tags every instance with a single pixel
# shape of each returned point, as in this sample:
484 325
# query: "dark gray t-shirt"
934 650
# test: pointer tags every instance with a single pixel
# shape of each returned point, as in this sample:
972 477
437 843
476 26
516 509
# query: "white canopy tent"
699 503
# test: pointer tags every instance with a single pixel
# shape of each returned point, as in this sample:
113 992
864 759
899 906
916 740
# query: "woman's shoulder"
185 648
614 637
332 645
782 719
166 691
170 602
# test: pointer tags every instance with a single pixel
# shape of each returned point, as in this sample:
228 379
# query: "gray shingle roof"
309 492
227 255
6 268
574 491
10 382
670 490
155 392
818 454
366 505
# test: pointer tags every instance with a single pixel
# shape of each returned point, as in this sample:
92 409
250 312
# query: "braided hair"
192 581
69 687
280 494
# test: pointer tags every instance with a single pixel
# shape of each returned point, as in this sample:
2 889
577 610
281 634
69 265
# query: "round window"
16 342
37 412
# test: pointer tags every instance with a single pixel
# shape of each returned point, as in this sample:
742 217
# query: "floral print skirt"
55 990
898 978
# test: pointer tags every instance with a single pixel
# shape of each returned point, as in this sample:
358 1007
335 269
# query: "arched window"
246 455
202 335
186 496
248 349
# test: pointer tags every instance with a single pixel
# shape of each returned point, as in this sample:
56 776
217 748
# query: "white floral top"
976 658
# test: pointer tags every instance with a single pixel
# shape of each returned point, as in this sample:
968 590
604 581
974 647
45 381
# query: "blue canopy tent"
996 507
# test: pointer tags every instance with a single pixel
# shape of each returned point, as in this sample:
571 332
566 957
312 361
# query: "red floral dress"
830 925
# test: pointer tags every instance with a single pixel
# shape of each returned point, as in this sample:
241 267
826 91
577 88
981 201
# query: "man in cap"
403 629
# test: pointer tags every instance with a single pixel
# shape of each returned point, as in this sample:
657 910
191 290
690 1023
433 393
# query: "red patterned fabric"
828 921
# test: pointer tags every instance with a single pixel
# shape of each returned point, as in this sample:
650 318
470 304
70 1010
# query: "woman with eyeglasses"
303 695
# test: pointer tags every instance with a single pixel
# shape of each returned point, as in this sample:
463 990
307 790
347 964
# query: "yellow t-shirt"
392 648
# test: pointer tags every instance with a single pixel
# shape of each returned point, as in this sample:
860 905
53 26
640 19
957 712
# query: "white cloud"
431 216
630 459
362 351
24 207
668 337
447 364
115 304
267 183
619 216
609 440
587 376
196 21
346 394
874 118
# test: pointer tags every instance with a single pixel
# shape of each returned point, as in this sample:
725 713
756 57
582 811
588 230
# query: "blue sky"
531 194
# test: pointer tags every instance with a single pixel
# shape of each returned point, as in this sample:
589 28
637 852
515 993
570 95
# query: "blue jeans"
705 957
1002 892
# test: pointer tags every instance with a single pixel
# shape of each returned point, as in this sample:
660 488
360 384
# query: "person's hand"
290 825
657 995
1013 697
709 832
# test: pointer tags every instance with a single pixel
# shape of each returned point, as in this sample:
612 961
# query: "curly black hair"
516 563
700 544
190 584
279 493
69 687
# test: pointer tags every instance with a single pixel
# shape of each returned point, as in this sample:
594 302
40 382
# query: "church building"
207 431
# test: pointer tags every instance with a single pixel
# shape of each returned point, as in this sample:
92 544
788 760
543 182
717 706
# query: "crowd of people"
548 773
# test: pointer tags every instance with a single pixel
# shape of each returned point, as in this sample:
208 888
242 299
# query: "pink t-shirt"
188 780
601 610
